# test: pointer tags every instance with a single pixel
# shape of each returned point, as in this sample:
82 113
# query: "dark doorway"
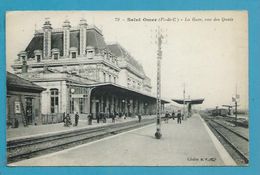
97 109
28 108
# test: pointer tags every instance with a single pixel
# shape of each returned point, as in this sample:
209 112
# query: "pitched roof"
119 51
94 39
15 82
35 44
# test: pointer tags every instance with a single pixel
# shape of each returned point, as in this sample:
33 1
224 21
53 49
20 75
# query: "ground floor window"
81 104
54 100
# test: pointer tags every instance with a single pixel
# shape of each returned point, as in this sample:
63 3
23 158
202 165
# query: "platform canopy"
190 101
100 88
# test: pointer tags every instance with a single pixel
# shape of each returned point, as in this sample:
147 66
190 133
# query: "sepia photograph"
127 88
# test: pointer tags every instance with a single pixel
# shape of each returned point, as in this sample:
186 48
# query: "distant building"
23 101
82 73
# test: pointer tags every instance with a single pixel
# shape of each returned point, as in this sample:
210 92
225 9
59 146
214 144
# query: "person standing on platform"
116 115
63 117
76 119
173 115
139 118
105 117
167 115
67 120
90 117
179 117
113 117
98 117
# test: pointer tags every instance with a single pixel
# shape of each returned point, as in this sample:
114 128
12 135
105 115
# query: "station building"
82 73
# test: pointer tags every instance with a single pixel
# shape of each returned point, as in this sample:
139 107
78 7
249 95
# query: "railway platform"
188 144
32 131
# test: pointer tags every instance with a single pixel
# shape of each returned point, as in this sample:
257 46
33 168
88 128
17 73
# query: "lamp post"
158 133
183 115
145 108
71 91
128 109
71 99
123 107
69 95
236 112
236 100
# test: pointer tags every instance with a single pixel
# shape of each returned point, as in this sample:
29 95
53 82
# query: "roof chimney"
47 38
83 37
66 38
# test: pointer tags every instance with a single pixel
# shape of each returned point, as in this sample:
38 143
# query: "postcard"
127 88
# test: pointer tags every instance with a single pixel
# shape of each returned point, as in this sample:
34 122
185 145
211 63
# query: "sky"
207 51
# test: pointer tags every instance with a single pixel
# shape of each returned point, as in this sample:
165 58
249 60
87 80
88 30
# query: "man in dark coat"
67 120
113 117
76 119
139 118
98 117
179 117
167 115
63 117
90 118
173 115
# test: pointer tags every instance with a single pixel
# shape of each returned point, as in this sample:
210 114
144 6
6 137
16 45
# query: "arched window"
54 100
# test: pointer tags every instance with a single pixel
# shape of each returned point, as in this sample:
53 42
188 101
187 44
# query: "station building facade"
82 73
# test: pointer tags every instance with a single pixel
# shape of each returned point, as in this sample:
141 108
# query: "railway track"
26 148
231 130
237 142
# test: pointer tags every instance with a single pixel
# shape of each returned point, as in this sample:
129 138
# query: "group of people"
101 116
67 119
178 116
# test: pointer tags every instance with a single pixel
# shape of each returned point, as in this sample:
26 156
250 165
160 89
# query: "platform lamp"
159 40
145 108
123 108
128 109
72 90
